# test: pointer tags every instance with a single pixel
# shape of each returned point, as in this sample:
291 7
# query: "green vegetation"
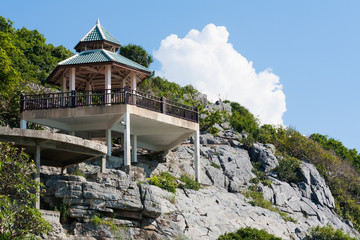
259 200
161 87
260 175
24 58
168 182
288 169
248 233
189 182
165 181
118 232
215 165
331 144
137 54
19 219
328 233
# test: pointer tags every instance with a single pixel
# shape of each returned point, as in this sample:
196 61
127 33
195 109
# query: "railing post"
22 102
126 93
73 98
163 105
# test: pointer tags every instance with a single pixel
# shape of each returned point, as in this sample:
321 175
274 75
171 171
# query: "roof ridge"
100 29
88 33
107 54
68 59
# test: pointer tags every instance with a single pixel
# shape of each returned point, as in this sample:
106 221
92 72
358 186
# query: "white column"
197 155
37 177
134 148
63 90
133 81
108 83
108 141
133 87
127 156
23 124
88 96
72 79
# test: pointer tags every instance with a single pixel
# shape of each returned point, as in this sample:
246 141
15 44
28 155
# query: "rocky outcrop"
264 154
142 211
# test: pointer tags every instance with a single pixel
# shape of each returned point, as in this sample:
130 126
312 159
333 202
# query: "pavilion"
99 99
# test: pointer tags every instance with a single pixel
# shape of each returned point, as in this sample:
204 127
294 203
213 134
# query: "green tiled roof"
90 56
101 55
126 61
99 33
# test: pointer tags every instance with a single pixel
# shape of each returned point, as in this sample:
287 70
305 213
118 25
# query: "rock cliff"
130 208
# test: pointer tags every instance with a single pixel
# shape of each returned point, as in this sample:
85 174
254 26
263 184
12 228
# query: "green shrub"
165 181
328 233
248 233
288 169
215 165
259 200
189 182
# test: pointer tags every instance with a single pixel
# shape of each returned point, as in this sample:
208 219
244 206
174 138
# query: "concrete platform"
57 150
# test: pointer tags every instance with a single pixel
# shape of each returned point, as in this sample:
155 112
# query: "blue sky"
312 46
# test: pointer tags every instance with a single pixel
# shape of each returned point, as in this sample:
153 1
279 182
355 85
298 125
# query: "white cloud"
210 63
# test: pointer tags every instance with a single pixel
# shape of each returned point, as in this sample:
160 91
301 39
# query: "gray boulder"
314 186
264 153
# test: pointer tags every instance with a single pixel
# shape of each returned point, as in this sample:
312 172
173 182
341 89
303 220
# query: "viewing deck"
75 99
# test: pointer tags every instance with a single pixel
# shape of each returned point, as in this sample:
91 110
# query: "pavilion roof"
101 55
99 33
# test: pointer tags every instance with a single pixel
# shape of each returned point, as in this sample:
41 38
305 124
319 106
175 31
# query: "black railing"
75 99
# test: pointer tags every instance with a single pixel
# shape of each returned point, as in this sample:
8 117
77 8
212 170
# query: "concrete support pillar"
108 141
134 148
72 79
127 156
23 124
108 84
197 155
37 177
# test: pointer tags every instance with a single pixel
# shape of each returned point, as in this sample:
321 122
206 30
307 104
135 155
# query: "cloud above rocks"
206 60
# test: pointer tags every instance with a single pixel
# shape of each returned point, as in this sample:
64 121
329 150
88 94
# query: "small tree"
19 219
137 54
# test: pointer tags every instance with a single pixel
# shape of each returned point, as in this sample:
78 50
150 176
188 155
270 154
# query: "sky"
290 62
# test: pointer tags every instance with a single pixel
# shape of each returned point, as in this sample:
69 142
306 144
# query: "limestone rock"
315 187
264 153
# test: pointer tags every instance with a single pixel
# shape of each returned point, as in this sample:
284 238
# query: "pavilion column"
127 156
108 84
133 87
134 148
197 155
88 93
63 90
37 176
72 79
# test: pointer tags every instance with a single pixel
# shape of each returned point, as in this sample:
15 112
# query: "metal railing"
75 99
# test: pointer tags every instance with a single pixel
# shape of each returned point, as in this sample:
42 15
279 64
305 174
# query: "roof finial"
98 22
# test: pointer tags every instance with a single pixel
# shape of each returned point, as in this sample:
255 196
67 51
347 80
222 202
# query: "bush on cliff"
248 233
19 219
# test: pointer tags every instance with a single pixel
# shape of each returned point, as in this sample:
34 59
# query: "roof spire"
98 22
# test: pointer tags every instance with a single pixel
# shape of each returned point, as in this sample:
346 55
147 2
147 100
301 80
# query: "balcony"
76 99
